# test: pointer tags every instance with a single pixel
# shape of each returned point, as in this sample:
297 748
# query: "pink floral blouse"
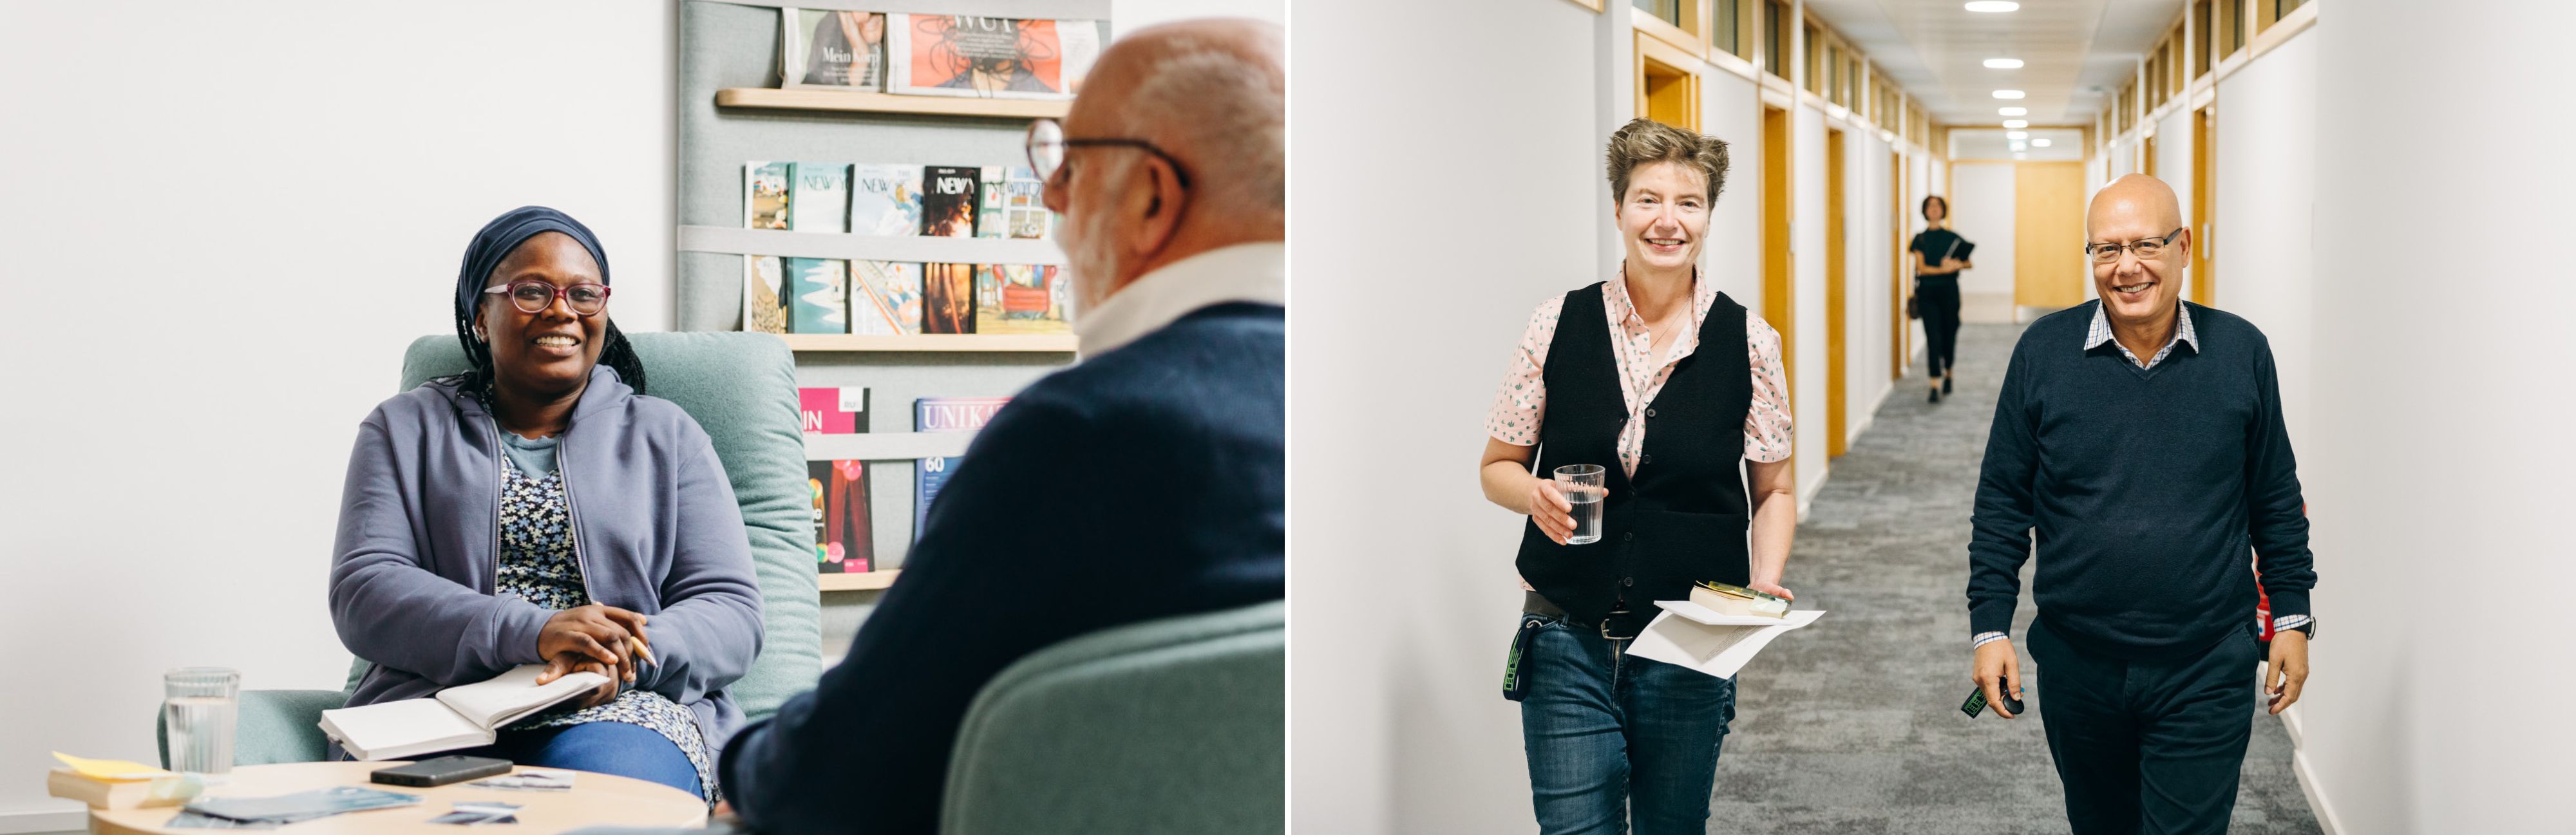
1521 402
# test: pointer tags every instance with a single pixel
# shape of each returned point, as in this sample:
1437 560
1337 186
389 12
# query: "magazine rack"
730 110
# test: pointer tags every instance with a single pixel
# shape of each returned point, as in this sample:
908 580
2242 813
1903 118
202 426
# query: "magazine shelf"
931 343
886 447
878 580
859 102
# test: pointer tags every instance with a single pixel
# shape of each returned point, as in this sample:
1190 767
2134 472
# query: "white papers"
494 703
401 728
1709 643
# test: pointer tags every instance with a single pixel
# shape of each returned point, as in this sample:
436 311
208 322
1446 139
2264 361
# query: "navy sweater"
2149 491
1148 481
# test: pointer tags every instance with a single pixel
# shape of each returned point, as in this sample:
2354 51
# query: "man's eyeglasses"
531 296
1047 146
2146 248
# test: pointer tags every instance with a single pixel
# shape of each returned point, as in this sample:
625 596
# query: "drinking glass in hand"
198 711
1585 487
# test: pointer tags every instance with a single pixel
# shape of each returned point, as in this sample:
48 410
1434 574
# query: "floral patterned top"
538 564
1521 402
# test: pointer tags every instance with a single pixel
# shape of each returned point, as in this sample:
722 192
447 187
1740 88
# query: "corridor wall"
1404 326
1981 201
2438 463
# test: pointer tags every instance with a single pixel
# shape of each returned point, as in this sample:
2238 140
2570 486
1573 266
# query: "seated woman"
539 508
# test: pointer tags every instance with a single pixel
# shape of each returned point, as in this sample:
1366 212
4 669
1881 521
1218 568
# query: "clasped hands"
595 638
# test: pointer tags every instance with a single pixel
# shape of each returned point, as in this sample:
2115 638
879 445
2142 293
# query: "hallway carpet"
1853 725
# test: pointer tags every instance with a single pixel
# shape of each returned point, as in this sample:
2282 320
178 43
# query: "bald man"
1147 481
2141 438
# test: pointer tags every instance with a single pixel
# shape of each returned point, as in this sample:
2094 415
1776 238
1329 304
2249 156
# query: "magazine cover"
948 299
764 195
1018 299
991 203
835 50
818 197
821 292
988 57
1025 210
885 200
764 301
843 542
833 409
885 298
948 200
933 415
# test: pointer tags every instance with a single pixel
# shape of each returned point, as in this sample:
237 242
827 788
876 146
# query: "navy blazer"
1147 482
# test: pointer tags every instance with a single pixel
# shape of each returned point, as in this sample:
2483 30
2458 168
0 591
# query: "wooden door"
1836 286
2049 270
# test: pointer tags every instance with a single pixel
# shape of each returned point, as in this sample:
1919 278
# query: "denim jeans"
1609 735
611 747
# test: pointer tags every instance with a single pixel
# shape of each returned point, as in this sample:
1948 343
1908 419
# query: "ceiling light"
2015 110
2016 123
2041 142
2008 94
2003 63
2016 135
1992 6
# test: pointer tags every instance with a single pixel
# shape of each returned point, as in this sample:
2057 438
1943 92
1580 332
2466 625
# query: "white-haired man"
1147 481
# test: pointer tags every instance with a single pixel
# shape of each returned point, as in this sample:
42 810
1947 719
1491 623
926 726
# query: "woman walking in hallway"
1606 733
1936 290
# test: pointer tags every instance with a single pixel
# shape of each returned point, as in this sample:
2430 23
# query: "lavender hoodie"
655 528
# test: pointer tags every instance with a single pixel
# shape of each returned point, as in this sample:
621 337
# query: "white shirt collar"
1256 272
2100 333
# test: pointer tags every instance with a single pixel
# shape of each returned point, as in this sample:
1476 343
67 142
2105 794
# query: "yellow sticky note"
111 770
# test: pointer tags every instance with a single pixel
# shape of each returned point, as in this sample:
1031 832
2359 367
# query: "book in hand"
1730 600
455 718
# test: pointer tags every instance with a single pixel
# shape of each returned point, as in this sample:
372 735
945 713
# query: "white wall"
1729 110
1401 617
1807 239
2173 166
217 256
227 221
1866 301
2266 208
1981 202
2437 461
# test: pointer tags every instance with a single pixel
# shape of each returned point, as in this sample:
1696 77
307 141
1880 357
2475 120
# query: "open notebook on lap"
455 718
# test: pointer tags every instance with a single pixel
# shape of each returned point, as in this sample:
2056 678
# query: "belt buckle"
1605 625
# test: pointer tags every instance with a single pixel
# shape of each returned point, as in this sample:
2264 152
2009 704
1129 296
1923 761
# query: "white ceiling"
1992 144
2075 53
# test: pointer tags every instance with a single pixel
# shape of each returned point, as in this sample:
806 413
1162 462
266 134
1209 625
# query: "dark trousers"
1610 736
2147 747
1937 299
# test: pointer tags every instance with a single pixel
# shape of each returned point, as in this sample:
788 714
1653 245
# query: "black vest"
1682 518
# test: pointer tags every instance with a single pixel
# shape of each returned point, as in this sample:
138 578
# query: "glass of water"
1584 486
199 707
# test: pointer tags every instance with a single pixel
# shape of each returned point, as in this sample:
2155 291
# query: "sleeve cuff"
1980 640
2291 622
2289 600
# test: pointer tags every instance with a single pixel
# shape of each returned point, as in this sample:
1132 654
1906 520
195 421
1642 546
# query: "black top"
1935 244
1177 438
2151 491
1682 518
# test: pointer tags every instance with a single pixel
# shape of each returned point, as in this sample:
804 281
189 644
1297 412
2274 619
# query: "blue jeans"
611 747
1609 735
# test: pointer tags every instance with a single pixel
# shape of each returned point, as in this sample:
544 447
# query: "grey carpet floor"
1853 725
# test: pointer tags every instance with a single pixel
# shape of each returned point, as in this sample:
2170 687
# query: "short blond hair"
1643 142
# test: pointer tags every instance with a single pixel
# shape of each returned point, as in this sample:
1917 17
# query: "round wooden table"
596 799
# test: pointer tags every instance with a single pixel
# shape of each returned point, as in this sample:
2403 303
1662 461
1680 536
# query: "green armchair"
742 389
1175 726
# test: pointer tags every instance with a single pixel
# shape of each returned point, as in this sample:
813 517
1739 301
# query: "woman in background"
1936 291
1668 384
539 509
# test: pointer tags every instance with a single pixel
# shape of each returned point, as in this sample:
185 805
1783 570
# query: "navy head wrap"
495 242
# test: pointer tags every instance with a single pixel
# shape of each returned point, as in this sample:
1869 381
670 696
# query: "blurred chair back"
1172 726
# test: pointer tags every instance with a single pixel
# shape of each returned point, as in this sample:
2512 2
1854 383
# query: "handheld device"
1977 701
439 771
